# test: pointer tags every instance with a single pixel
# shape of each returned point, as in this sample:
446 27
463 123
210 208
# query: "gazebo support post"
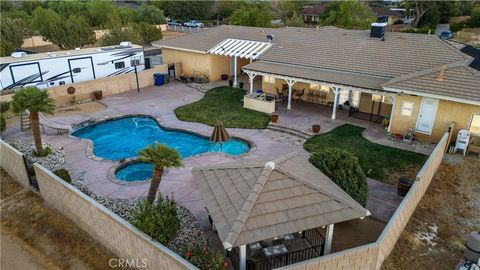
251 76
337 91
235 82
243 257
328 240
290 84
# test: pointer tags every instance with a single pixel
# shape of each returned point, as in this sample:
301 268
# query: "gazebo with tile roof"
254 200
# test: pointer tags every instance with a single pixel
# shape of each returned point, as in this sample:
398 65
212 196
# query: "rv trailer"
64 67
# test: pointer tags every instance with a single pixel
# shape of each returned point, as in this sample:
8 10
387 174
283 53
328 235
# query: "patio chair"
279 94
299 94
474 145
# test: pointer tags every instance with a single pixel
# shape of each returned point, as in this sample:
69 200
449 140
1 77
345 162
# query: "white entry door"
426 115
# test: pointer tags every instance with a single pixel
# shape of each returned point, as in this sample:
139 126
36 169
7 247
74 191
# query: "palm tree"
36 101
162 158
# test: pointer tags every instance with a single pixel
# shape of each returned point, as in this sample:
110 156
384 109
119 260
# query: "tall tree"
285 9
11 35
295 20
98 12
350 15
186 10
150 14
67 33
148 32
162 158
118 32
254 14
226 8
36 101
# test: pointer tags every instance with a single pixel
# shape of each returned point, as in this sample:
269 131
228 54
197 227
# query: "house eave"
460 100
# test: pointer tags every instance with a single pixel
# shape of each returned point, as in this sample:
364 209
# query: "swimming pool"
124 137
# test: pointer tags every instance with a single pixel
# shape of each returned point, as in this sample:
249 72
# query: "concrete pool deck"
160 103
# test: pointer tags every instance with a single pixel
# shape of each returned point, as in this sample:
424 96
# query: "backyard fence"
371 256
14 163
106 227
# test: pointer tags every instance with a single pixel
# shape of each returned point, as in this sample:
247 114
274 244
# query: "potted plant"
274 118
230 82
224 77
315 128
240 84
97 94
403 186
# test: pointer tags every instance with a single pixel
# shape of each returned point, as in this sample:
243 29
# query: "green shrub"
64 174
455 27
203 258
343 168
4 106
159 220
47 151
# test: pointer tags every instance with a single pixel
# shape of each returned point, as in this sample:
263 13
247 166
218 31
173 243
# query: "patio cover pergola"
337 80
247 49
251 201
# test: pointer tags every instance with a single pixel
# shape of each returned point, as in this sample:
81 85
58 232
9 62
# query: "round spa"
134 171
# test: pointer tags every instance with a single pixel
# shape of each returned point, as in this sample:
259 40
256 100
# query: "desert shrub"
47 151
455 27
4 106
343 168
64 174
159 220
204 258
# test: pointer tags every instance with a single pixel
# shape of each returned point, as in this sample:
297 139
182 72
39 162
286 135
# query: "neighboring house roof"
383 11
313 10
475 53
454 81
250 201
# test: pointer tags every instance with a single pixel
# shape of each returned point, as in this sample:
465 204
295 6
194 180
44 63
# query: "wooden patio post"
251 76
328 240
337 91
235 83
389 129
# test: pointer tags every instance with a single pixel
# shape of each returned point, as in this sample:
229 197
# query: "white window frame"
269 79
471 122
402 109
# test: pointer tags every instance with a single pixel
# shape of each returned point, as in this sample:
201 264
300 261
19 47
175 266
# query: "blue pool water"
137 171
125 137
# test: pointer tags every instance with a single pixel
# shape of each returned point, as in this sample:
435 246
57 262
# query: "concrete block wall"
110 230
371 256
11 160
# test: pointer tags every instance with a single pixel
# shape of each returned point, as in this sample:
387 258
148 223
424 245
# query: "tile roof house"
413 80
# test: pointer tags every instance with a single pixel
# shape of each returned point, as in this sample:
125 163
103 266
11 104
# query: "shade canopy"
248 49
219 133
250 201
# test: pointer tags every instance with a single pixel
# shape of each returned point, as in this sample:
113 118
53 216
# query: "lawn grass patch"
225 104
376 158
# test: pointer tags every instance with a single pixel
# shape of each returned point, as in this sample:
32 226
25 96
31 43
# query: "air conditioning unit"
126 44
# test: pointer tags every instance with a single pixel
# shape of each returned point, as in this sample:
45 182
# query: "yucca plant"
162 158
36 101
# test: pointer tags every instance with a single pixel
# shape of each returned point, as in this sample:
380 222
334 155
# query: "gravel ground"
54 160
190 231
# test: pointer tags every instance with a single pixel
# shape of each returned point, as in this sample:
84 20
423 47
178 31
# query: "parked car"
174 23
194 23
446 35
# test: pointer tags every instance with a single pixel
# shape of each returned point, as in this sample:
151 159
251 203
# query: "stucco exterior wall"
196 64
447 112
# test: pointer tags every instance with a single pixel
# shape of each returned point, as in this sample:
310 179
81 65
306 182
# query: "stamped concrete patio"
160 103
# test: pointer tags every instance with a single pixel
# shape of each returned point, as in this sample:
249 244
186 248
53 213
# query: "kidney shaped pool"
125 137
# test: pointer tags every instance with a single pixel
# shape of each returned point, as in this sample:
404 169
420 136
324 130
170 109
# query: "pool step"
24 121
295 132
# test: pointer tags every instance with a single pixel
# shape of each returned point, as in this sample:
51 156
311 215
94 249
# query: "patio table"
275 250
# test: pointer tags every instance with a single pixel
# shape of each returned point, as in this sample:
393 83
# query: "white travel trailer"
64 67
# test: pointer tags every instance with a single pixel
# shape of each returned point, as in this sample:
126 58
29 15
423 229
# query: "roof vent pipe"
270 38
377 30
441 74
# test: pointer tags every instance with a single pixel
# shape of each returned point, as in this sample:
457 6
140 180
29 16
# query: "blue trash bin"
159 79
